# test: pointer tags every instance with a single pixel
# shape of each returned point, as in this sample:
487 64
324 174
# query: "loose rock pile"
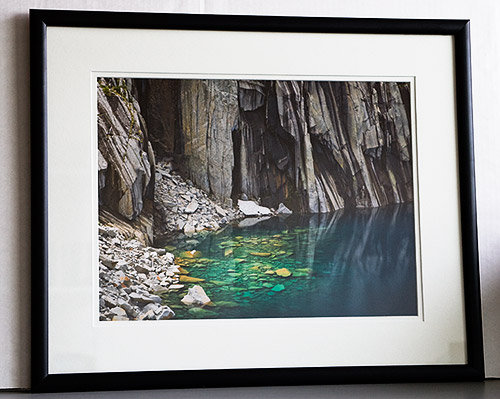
131 277
182 207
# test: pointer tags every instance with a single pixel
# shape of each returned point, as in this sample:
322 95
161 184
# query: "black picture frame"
43 381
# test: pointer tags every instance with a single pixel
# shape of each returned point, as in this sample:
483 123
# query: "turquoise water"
347 263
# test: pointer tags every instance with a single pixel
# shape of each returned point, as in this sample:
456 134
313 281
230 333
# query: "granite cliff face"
209 113
315 146
126 160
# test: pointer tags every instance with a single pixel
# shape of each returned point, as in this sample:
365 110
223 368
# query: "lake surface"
348 263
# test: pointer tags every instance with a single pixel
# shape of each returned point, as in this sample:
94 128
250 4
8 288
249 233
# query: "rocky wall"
315 146
126 158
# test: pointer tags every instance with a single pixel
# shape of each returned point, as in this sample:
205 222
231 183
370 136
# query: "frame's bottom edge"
254 377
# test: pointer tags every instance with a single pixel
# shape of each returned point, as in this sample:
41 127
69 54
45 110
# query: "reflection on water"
347 263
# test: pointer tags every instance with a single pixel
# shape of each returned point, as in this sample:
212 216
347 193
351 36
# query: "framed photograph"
243 200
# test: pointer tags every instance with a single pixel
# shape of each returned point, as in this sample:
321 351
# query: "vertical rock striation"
126 158
315 146
322 146
209 114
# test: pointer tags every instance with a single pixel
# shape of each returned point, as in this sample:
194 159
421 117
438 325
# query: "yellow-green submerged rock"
284 272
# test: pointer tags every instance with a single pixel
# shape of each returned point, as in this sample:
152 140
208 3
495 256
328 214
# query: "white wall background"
15 157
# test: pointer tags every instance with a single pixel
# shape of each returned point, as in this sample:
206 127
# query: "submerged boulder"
283 272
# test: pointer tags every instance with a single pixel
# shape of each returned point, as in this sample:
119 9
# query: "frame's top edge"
229 22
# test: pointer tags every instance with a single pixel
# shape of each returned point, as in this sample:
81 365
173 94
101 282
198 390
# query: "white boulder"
189 229
250 208
192 207
283 210
196 296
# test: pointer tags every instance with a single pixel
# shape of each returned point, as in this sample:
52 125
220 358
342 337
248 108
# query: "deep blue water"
348 263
